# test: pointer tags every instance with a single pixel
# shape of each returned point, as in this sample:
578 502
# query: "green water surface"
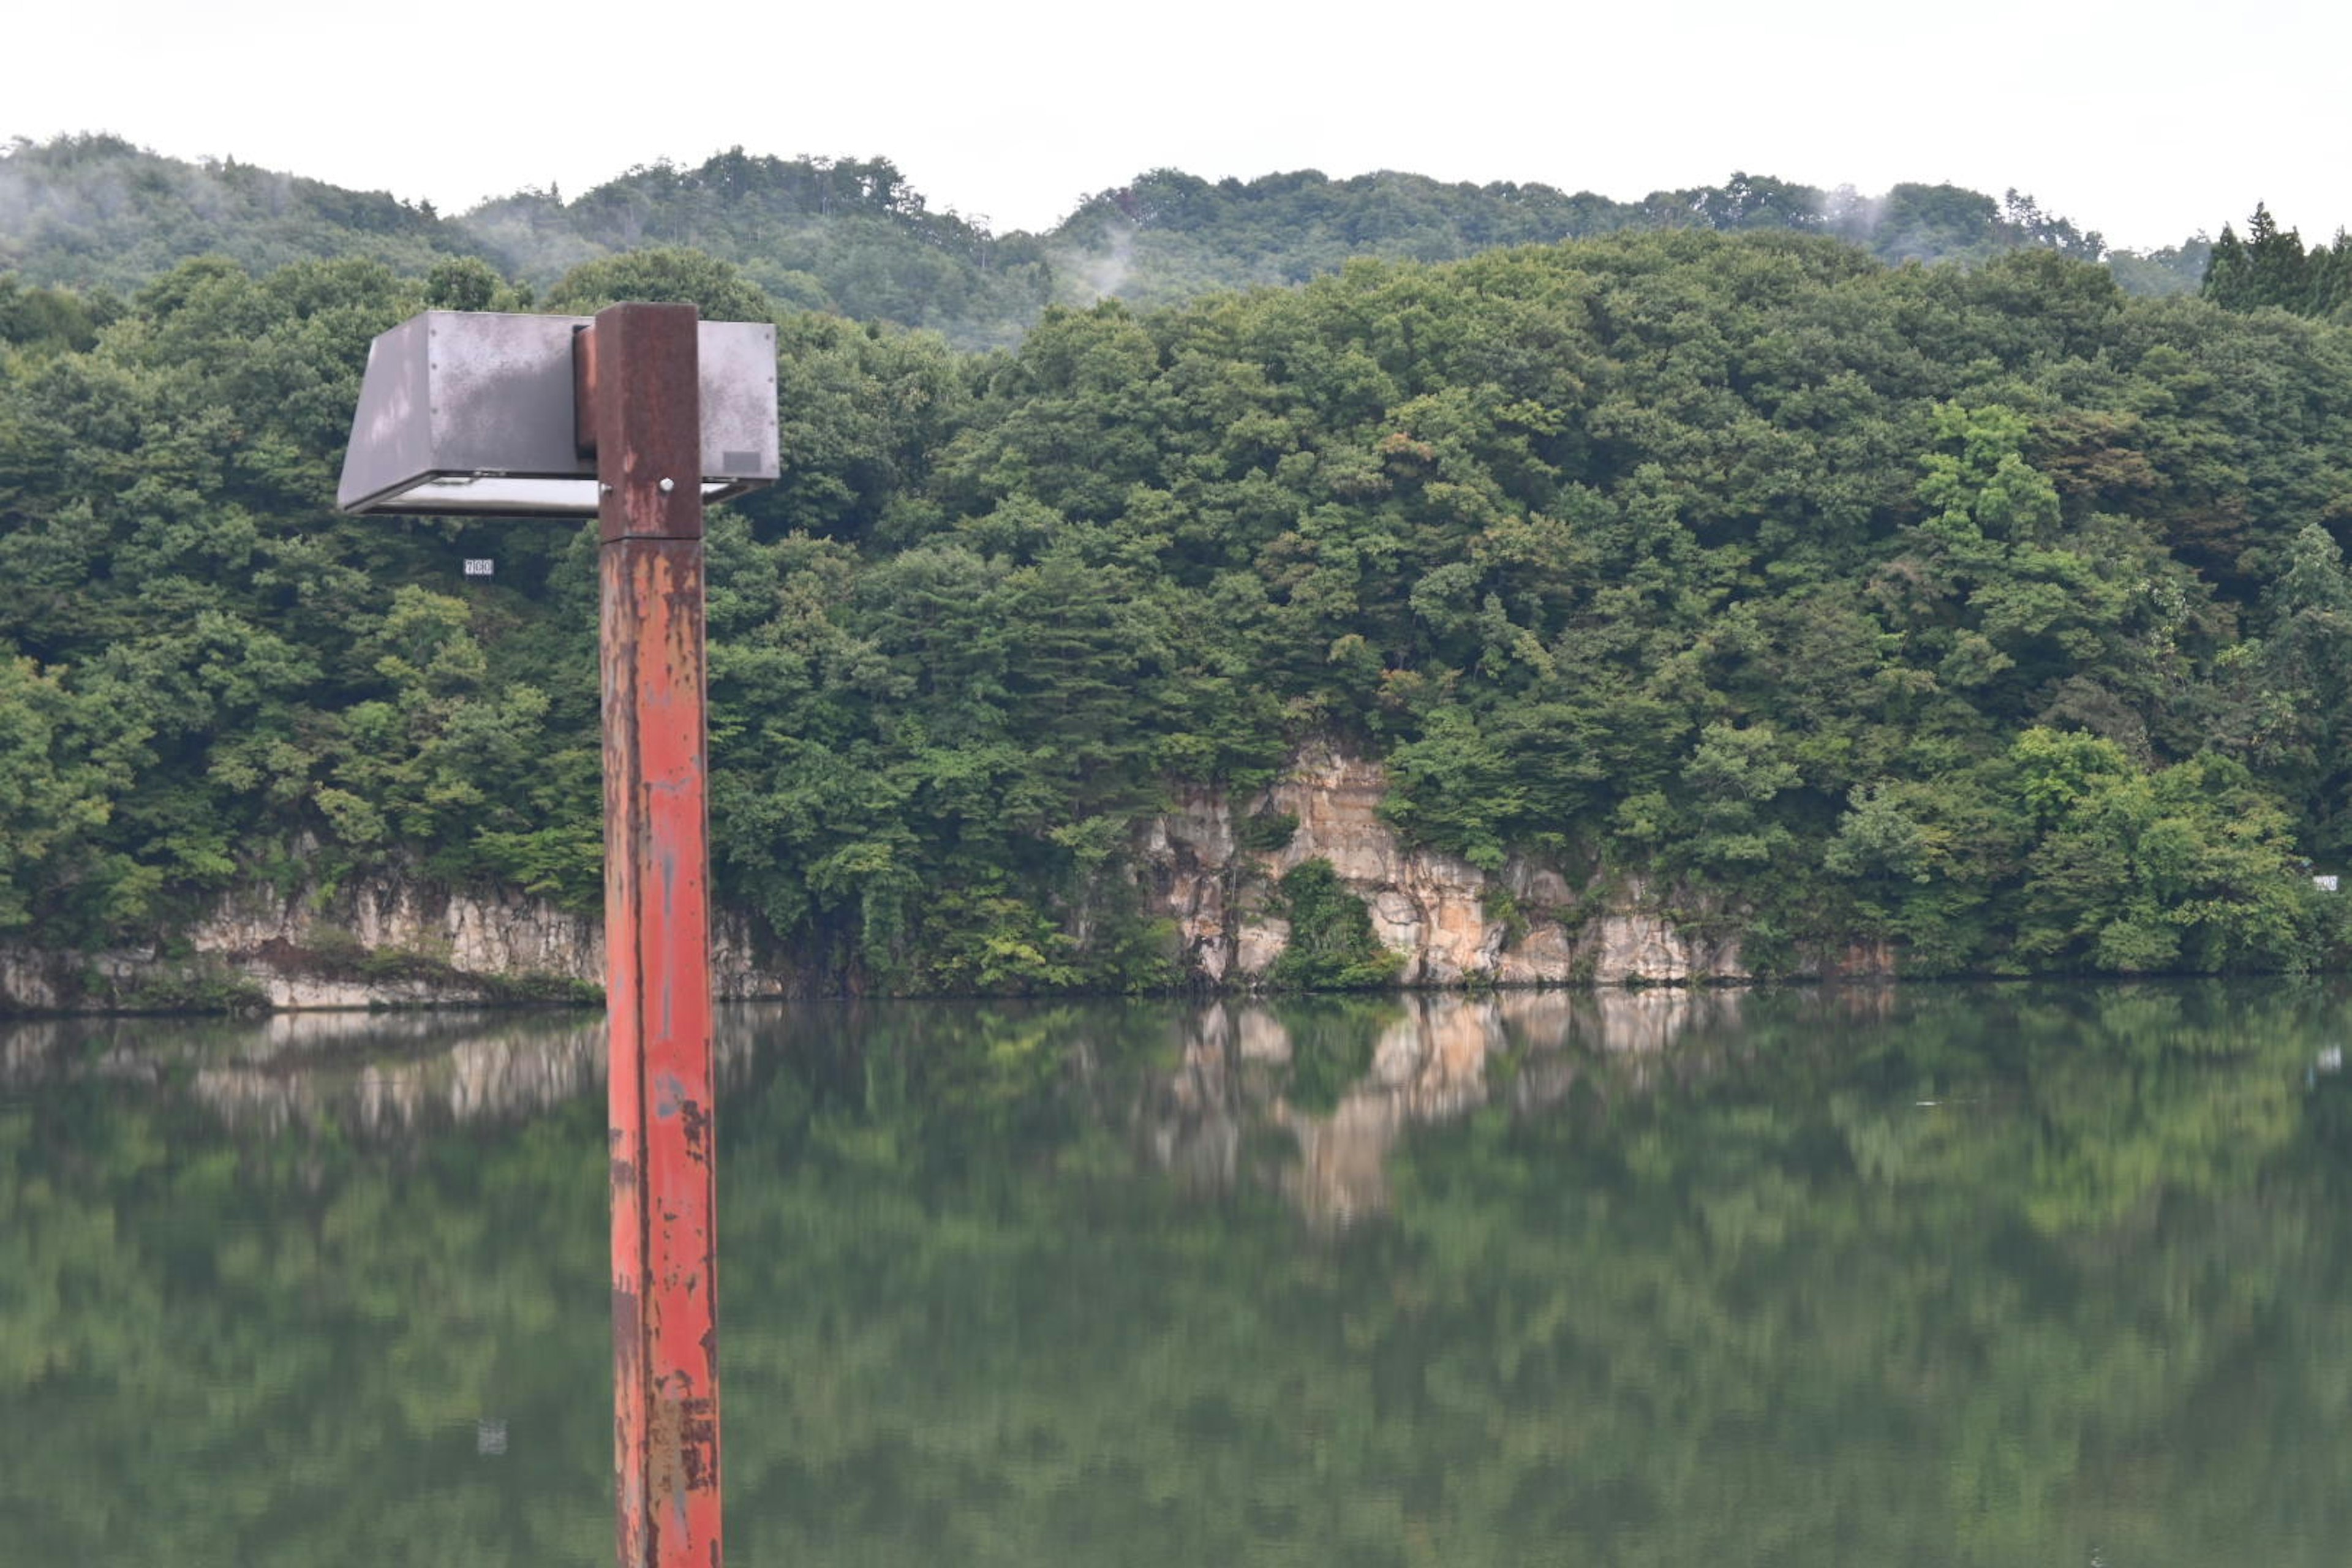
1945 1275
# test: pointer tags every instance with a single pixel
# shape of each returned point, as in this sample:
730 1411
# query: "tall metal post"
638 407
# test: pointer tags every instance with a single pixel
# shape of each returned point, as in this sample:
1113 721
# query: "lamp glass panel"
502 495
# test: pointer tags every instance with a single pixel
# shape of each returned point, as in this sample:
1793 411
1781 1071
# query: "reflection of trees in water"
1743 1299
1965 1276
1340 1083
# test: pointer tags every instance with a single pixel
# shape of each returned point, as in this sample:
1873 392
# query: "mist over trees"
98 212
852 237
1984 609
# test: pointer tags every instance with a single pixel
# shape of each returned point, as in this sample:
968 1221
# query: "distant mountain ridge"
853 238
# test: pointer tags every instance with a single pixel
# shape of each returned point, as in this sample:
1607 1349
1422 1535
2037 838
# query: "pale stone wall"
292 949
1429 908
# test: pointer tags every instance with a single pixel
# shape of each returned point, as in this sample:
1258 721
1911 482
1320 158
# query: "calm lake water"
1941 1275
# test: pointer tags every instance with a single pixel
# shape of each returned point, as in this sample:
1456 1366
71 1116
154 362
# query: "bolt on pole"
638 406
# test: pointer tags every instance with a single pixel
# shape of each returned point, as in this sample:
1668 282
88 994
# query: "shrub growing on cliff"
1332 947
1267 832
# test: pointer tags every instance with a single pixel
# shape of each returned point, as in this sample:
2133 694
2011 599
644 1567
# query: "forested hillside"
2271 267
97 212
1986 610
853 238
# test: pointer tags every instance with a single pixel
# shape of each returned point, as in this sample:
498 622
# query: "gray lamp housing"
471 412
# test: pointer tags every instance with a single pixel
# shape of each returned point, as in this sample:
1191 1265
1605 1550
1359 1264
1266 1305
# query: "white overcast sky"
2147 120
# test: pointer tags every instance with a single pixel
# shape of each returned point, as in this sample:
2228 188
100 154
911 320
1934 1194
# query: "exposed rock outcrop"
386 942
1447 919
402 942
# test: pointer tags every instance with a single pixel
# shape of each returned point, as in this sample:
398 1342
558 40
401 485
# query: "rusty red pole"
639 407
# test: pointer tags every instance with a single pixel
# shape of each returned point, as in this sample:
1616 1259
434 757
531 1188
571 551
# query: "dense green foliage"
1332 945
1745 1303
95 211
845 236
1170 235
1984 610
852 237
2271 267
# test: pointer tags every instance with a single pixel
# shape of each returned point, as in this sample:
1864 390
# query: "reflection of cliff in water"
374 1074
1306 1096
1416 1061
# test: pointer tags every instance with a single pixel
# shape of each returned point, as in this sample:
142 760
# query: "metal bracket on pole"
638 409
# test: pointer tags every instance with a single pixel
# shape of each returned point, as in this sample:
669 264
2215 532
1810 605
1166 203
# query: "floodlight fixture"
480 414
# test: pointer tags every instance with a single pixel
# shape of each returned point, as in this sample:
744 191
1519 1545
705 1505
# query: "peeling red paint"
641 384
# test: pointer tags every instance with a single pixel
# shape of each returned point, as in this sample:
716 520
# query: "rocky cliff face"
400 942
389 942
1432 909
